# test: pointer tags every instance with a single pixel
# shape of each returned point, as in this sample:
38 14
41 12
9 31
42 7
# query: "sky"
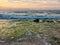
30 4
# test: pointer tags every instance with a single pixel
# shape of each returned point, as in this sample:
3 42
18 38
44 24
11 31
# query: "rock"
56 34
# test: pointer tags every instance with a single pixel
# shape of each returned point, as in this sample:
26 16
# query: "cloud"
35 1
31 0
43 4
50 3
